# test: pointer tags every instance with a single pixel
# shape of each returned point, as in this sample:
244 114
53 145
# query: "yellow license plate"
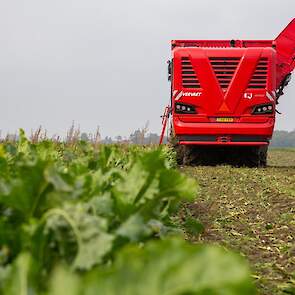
224 120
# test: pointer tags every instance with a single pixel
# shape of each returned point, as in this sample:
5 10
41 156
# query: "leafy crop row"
81 220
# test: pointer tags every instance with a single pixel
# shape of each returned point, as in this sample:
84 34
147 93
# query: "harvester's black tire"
256 156
193 155
172 140
179 149
184 154
263 156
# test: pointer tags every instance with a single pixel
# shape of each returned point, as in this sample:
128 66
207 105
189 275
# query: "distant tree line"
137 137
283 139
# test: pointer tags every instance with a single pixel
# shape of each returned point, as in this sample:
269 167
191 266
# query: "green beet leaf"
172 267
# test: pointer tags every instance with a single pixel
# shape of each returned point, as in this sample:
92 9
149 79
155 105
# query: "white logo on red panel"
248 95
178 94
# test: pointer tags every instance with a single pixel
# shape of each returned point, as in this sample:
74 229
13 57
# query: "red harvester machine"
224 95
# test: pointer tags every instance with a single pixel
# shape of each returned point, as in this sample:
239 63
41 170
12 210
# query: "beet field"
81 218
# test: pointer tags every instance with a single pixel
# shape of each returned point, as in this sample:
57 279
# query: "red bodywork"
223 82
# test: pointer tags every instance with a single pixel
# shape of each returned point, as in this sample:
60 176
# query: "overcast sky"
102 62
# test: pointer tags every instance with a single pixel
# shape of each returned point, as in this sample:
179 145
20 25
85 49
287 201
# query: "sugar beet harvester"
224 95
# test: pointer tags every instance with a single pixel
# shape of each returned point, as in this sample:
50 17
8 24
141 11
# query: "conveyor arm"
285 47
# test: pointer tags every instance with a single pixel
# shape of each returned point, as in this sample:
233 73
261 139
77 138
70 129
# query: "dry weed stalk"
34 138
56 138
38 135
43 135
97 138
11 137
73 135
144 131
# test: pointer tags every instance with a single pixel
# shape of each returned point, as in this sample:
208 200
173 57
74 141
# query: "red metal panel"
241 78
207 79
185 128
213 98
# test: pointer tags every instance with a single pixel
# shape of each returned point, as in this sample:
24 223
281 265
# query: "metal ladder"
165 118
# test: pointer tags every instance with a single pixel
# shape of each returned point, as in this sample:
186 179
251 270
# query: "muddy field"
252 211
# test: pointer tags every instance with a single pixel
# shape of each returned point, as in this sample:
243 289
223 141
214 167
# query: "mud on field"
252 211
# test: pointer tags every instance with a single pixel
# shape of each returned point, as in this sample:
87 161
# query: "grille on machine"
224 69
189 77
259 78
